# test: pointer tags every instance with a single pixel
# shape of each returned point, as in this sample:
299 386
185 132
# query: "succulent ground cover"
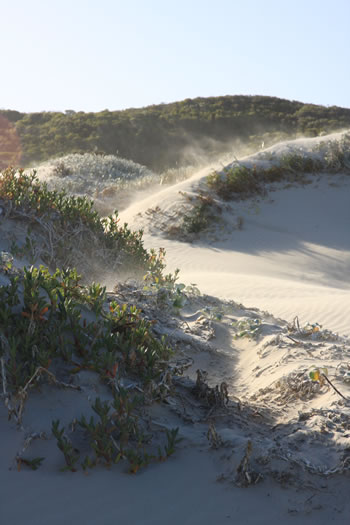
51 328
71 232
54 324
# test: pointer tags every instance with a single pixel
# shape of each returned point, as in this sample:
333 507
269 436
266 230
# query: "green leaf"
315 375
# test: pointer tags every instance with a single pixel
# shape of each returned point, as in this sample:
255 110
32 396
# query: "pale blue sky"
92 55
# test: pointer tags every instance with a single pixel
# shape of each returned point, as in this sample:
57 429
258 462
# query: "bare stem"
337 391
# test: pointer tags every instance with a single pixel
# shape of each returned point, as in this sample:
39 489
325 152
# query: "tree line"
164 135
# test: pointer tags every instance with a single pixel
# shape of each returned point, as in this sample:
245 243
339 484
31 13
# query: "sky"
92 55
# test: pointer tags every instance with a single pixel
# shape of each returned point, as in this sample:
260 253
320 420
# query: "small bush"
61 170
201 215
337 154
44 328
238 180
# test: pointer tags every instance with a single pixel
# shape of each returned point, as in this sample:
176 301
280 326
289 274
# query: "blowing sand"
278 451
291 256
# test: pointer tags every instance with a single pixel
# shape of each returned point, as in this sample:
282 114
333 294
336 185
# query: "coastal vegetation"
54 324
70 228
242 181
166 135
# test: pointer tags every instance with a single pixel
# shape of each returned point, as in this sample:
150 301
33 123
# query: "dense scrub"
166 135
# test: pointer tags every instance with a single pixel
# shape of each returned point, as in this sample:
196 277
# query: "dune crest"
257 386
287 251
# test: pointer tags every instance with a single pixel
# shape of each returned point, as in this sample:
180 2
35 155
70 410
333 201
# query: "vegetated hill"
165 135
10 146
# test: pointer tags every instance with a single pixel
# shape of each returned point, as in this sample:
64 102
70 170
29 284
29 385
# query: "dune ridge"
293 240
259 382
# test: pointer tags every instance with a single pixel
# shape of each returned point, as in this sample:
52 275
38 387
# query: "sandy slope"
291 257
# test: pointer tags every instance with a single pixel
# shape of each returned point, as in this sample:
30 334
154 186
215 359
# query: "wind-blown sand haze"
274 305
291 257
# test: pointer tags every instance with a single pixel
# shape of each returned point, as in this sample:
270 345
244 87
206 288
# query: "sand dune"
291 257
261 441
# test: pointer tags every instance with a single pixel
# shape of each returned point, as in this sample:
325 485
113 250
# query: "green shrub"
201 214
72 232
51 323
46 325
50 320
238 180
241 181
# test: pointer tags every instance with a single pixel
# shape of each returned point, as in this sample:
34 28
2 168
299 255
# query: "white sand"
292 257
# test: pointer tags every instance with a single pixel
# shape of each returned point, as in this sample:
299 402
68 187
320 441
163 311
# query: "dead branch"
334 388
